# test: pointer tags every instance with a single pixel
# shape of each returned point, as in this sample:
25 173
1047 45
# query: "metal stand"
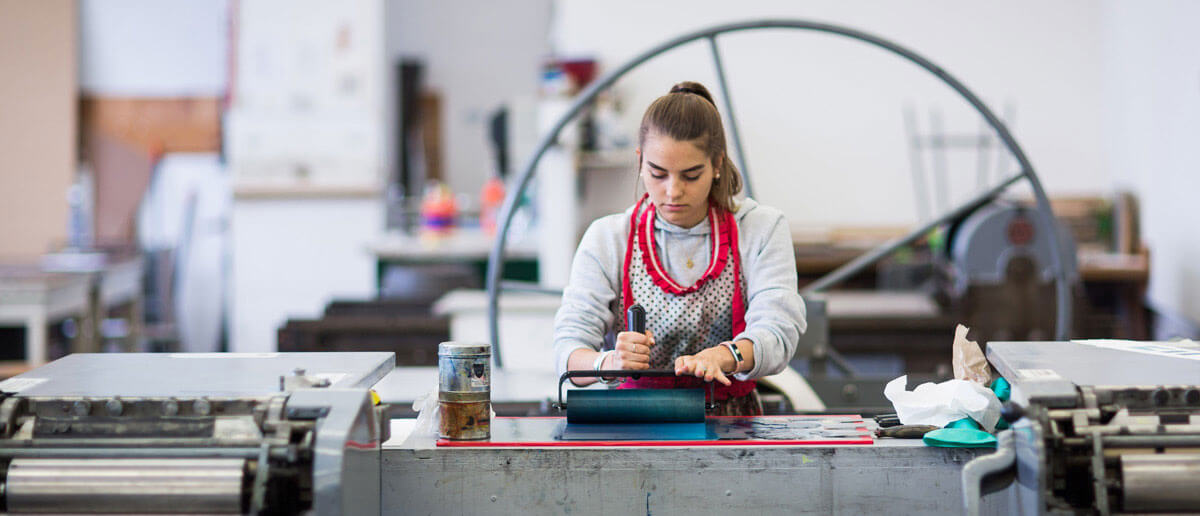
585 98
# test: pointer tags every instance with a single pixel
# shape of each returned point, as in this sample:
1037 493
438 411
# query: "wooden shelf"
11 368
247 191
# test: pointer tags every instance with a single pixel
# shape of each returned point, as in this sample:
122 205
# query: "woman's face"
678 177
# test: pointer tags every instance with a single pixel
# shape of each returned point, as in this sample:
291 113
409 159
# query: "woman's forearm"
582 360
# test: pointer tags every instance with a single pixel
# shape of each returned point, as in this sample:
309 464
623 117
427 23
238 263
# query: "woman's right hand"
632 351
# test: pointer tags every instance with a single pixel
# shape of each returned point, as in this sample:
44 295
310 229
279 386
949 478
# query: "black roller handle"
635 319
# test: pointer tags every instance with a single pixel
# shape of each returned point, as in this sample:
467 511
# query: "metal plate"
715 431
194 374
1085 365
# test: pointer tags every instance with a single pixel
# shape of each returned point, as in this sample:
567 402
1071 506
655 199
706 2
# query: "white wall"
479 55
821 115
292 257
1152 131
307 105
153 47
307 115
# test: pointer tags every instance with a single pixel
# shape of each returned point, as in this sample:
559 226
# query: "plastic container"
490 199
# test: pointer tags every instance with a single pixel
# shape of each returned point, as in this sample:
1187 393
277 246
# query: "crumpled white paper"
942 403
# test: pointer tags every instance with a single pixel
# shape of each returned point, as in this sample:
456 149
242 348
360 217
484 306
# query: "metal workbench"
892 476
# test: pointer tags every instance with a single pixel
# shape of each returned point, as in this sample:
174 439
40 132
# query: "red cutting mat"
533 432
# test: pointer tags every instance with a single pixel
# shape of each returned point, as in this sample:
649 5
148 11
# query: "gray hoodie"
774 311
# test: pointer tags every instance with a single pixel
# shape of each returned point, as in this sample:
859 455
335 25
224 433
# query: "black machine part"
627 373
640 405
635 319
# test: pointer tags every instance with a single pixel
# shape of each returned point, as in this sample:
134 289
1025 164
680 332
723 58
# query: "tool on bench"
632 405
886 420
593 406
906 431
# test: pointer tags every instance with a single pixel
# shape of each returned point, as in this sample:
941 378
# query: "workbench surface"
892 476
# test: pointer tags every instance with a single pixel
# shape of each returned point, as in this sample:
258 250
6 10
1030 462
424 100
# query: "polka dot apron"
684 319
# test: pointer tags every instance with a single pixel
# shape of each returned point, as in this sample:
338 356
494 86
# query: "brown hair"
688 114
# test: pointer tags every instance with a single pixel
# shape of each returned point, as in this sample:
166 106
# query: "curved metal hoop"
1062 290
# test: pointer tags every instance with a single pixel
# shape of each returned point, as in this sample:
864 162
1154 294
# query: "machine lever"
977 472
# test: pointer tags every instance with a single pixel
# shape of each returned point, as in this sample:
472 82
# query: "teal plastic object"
638 432
965 422
590 406
960 438
1002 389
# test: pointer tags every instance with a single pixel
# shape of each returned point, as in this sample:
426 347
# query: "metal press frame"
1046 216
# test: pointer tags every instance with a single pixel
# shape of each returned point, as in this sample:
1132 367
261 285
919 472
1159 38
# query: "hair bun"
694 88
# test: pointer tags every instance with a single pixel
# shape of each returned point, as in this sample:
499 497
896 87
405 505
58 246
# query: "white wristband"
599 363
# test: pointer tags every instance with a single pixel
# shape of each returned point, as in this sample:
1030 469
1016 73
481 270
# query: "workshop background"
271 167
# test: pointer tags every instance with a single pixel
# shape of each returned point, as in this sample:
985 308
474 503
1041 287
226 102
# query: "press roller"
126 486
619 406
636 406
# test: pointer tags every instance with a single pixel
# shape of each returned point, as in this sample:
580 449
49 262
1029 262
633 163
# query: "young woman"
716 276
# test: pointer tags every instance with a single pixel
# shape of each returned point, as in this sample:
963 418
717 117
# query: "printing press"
297 433
1099 426
257 433
1108 427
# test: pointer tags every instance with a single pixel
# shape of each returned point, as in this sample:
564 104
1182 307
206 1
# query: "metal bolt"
81 408
1161 397
1192 396
493 498
114 407
170 408
728 493
202 407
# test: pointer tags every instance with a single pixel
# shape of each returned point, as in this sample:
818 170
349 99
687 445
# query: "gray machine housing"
987 241
261 433
1101 430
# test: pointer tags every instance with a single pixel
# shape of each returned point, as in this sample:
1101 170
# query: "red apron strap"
739 302
626 292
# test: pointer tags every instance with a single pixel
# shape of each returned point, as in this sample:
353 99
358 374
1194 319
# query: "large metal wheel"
1045 216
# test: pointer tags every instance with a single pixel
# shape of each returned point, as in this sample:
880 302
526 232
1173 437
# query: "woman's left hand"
704 365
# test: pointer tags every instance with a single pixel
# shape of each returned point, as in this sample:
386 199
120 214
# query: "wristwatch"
737 356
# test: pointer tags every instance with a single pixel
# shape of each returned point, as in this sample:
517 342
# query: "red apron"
685 320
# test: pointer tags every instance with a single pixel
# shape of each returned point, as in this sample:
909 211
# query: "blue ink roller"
624 406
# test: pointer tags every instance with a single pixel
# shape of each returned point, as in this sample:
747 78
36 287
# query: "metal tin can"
464 390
